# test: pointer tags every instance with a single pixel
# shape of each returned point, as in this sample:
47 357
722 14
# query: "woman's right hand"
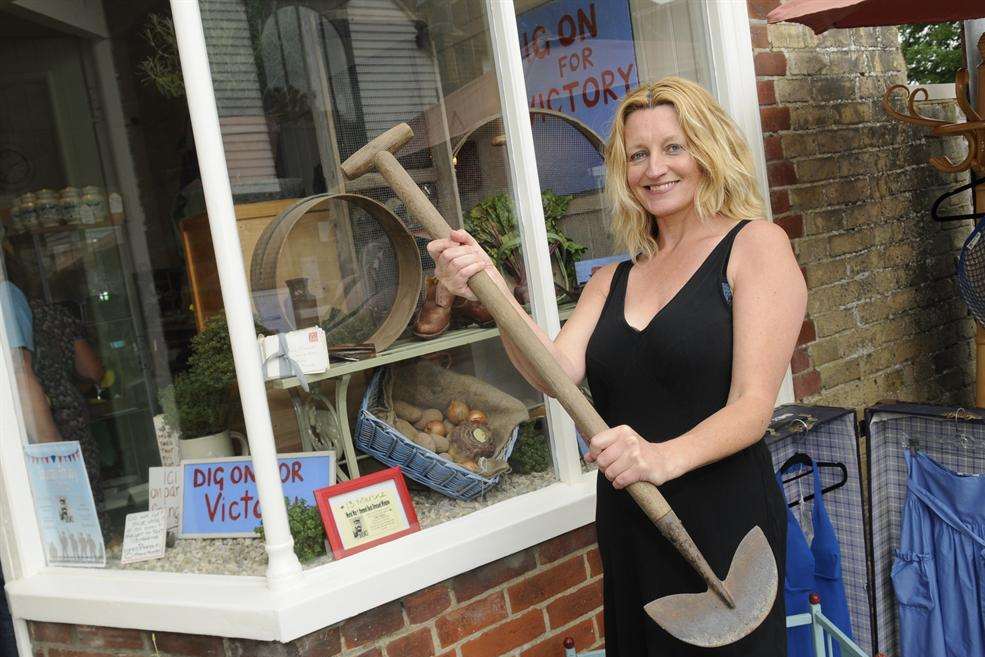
458 258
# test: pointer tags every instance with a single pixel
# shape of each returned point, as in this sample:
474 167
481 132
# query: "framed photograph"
367 511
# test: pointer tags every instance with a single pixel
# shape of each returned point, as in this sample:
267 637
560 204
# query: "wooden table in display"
342 372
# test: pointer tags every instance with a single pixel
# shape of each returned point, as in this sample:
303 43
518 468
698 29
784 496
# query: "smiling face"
660 172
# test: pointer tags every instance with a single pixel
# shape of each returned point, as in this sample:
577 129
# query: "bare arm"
459 258
767 309
34 403
87 363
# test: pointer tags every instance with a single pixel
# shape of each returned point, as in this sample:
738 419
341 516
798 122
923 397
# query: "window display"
299 90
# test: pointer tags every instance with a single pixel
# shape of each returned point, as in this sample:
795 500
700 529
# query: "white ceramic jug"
217 444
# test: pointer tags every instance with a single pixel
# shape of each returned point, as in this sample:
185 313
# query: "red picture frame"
375 509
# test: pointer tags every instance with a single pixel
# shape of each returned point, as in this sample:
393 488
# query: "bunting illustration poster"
64 505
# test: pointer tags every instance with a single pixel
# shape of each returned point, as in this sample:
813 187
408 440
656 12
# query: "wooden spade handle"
586 418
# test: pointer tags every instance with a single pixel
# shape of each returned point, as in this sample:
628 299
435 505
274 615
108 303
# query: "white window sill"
244 607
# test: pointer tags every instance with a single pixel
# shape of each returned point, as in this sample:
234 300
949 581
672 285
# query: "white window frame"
289 603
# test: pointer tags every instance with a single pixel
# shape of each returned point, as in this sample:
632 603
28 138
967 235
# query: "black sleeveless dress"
662 381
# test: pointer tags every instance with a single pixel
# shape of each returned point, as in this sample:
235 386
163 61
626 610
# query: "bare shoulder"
761 239
601 280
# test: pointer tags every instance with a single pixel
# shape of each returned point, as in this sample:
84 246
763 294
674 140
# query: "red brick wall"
520 606
853 189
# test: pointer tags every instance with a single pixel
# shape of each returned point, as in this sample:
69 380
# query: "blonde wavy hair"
727 185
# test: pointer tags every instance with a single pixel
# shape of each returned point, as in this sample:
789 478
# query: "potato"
449 427
440 443
425 440
407 411
436 427
432 414
428 416
406 428
477 417
444 455
457 411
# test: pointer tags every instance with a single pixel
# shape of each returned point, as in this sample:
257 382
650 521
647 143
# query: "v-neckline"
680 290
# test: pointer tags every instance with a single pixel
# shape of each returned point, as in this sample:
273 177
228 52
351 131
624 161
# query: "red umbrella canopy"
822 15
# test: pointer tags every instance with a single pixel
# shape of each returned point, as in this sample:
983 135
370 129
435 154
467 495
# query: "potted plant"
493 224
198 404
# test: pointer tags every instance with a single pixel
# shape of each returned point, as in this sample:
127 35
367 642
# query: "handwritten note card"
164 492
144 536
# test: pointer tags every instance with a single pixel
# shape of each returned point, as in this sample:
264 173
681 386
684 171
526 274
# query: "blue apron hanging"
939 570
813 569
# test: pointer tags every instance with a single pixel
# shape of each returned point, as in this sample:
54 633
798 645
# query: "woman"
52 359
684 348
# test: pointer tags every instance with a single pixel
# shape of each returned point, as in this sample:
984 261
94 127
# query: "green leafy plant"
162 68
306 528
493 224
532 452
932 52
199 401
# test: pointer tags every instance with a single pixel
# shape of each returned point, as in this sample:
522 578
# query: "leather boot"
435 314
471 312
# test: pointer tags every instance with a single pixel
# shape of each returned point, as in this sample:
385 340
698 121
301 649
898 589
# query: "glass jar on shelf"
70 201
27 212
49 212
94 209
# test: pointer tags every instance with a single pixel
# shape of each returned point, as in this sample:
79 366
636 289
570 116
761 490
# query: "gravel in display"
246 556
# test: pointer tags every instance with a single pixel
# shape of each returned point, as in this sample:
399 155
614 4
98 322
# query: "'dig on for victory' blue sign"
219 496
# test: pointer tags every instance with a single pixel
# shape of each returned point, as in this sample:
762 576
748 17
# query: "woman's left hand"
625 457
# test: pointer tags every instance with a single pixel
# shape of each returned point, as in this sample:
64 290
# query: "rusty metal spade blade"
704 619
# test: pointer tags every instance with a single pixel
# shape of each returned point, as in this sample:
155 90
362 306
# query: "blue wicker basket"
386 444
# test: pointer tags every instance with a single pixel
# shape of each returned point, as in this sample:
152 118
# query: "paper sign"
578 59
167 442
144 536
63 502
219 496
164 492
585 268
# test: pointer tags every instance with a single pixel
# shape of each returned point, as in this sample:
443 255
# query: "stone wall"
523 605
853 188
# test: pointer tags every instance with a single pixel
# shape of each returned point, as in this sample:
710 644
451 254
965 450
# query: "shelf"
405 350
75 228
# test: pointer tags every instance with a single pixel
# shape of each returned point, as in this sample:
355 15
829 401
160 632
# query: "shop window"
96 299
299 88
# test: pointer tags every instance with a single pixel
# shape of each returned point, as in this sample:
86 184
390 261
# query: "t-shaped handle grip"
391 141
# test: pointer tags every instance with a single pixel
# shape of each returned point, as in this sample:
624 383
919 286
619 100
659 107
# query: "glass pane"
97 293
580 59
299 89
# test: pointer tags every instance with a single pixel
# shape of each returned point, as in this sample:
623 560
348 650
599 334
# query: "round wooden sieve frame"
274 239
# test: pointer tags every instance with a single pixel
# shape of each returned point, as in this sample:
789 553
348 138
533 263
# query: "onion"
457 412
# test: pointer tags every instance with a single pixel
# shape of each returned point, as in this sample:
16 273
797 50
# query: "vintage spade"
729 609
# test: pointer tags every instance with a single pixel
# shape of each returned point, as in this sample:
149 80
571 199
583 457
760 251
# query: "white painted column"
530 211
282 564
